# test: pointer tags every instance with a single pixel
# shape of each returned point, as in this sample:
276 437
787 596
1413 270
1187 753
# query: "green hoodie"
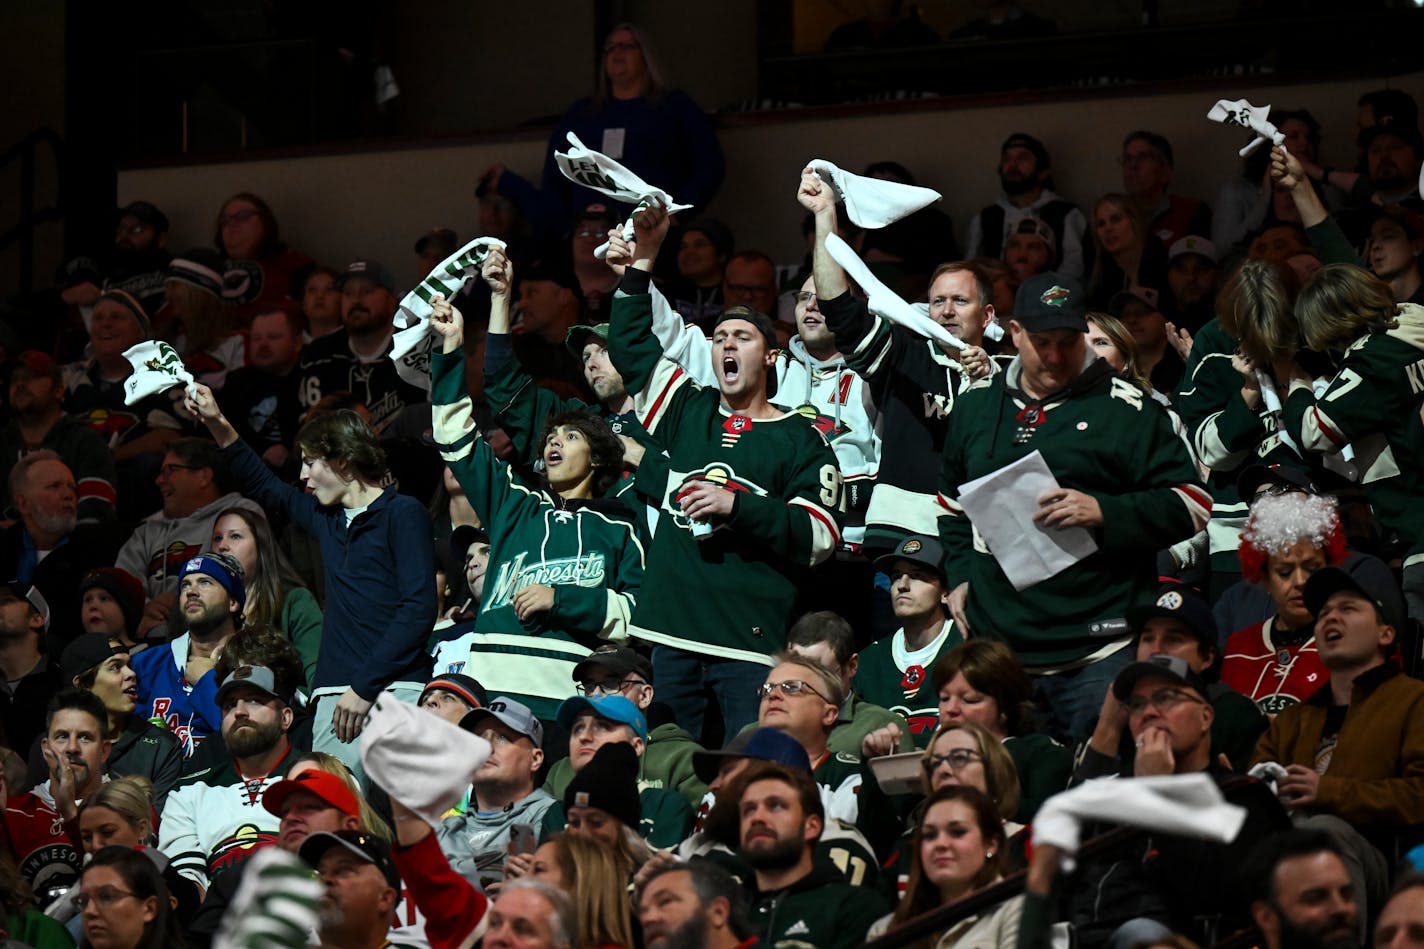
667 764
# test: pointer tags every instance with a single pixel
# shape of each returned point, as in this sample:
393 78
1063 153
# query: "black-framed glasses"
608 686
104 898
958 759
1164 700
788 687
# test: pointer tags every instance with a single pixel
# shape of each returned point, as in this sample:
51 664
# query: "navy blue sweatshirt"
379 576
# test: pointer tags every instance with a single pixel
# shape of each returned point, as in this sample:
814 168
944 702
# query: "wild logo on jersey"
514 575
168 561
915 675
717 473
825 424
734 428
237 848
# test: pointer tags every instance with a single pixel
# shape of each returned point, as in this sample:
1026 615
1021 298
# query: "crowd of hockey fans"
732 608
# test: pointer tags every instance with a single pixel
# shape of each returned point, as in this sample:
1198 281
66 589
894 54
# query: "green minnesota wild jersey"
892 676
730 594
1374 405
1103 436
588 552
1227 436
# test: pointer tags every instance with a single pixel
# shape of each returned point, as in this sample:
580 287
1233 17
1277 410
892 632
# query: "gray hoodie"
475 843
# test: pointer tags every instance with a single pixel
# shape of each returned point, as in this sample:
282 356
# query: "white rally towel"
401 746
412 345
595 170
157 367
1188 805
885 302
276 905
873 202
1248 116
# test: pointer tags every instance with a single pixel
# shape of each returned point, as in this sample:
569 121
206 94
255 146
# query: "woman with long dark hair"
276 594
124 903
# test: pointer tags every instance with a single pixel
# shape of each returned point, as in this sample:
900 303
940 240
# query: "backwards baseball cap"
368 270
760 320
1177 601
32 595
1192 244
368 847
146 213
325 785
917 548
578 336
614 708
211 564
260 678
463 536
1051 301
763 744
615 660
514 714
1356 576
1035 227
466 688
1163 667
1125 298
1023 140
87 651
1255 477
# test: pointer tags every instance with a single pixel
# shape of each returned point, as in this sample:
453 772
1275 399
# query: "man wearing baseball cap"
35 676
503 793
667 760
362 887
895 672
355 358
1141 315
1123 475
176 684
593 721
1353 752
452 696
1178 623
212 822
1174 881
1026 180
1192 279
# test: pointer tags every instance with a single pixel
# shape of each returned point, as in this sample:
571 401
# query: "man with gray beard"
214 818
362 888
47 546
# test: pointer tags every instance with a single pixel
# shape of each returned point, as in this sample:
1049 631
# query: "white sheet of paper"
1001 505
613 142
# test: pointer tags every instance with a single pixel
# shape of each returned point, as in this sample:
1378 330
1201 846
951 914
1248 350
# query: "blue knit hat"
222 568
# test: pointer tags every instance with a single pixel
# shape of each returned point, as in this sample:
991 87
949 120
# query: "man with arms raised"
752 500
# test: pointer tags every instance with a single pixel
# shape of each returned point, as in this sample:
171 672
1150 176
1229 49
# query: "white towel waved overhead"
157 367
412 345
883 301
873 202
595 170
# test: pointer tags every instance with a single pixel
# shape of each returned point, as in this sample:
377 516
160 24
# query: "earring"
988 855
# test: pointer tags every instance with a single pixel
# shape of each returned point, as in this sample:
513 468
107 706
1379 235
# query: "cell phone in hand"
521 839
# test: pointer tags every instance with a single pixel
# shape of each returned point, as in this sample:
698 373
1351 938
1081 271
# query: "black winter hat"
609 782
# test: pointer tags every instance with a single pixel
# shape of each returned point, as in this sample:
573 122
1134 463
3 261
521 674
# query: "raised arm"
818 197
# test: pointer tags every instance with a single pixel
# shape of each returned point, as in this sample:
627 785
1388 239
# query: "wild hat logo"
1055 296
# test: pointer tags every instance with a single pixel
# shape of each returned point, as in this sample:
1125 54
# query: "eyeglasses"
168 469
237 217
104 897
1163 700
805 296
587 232
619 47
608 686
789 687
958 759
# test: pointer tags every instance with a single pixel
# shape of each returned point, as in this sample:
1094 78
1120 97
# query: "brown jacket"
1375 779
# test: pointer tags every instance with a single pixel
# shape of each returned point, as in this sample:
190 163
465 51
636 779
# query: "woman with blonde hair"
1110 341
1125 255
120 812
595 880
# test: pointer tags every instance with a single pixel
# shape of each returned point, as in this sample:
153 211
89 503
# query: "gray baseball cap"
514 714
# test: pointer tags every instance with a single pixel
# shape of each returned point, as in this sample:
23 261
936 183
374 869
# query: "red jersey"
45 848
1271 675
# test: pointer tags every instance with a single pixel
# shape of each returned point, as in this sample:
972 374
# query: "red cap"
38 363
325 785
